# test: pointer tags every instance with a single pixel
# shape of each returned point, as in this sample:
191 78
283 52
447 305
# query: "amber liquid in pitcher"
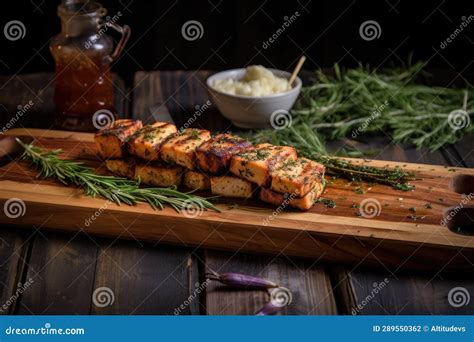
83 52
83 86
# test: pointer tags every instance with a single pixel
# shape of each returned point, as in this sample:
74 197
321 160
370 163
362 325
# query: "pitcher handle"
125 32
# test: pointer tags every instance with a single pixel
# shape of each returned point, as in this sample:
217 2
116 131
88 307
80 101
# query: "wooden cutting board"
404 232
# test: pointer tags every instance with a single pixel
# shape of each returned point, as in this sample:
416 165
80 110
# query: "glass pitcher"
83 52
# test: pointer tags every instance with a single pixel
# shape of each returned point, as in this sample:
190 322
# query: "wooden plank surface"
14 248
247 227
382 291
62 267
146 279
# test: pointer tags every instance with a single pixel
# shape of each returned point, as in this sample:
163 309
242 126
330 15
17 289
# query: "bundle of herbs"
358 101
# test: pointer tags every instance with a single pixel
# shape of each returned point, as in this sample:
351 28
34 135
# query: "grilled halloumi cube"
181 148
111 141
257 163
159 174
284 200
196 180
231 186
214 155
296 176
147 142
121 167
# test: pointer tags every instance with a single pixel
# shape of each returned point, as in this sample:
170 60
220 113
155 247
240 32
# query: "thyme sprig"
310 145
115 189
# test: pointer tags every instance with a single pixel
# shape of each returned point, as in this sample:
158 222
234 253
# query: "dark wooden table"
154 278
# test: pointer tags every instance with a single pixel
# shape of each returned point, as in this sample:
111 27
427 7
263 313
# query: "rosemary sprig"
359 101
115 189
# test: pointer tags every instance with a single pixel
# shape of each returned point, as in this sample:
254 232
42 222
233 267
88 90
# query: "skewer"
296 71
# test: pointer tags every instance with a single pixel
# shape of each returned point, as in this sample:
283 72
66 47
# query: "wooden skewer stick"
296 71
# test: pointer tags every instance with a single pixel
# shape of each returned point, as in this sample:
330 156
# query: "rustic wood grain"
14 248
62 269
404 293
146 279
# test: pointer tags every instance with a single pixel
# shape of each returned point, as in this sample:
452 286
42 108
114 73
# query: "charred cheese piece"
257 163
230 186
159 174
196 180
181 148
111 141
214 155
147 142
121 167
284 200
296 176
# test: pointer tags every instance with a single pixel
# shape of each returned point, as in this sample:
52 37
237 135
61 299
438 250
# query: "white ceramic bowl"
253 111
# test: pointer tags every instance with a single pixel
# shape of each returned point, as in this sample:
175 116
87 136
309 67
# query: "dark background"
234 31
